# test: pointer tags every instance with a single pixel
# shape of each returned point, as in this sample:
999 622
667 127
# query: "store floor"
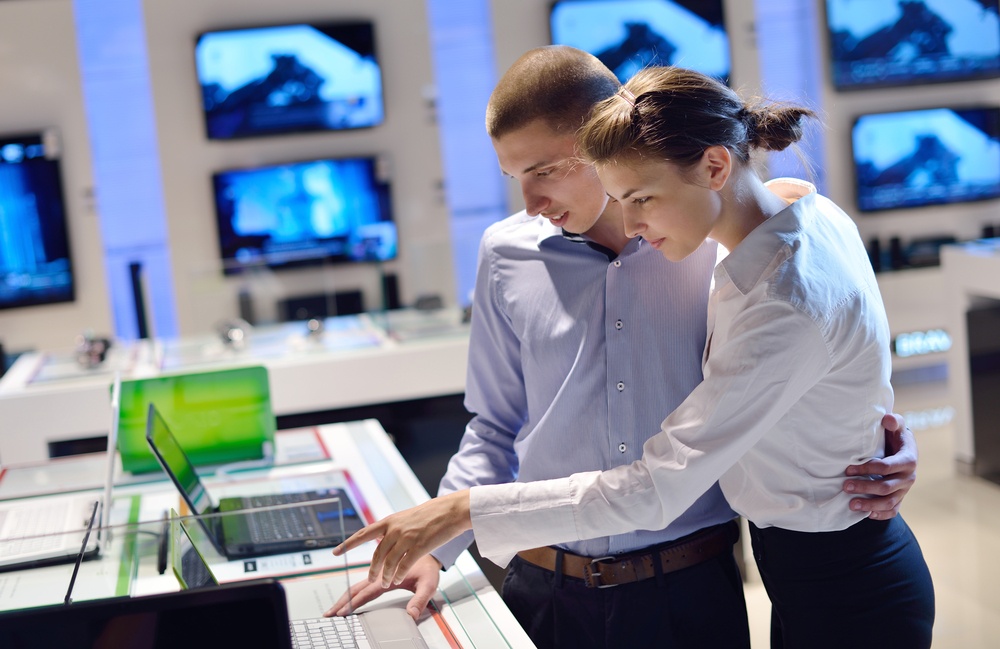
956 518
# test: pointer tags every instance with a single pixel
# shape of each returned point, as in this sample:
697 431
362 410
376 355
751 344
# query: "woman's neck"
747 203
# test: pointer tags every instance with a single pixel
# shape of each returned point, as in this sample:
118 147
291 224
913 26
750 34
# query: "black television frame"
59 194
995 109
913 80
321 25
231 267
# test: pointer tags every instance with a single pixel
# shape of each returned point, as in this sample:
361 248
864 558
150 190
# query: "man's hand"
406 536
893 475
422 580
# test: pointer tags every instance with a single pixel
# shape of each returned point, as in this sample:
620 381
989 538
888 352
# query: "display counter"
48 397
972 278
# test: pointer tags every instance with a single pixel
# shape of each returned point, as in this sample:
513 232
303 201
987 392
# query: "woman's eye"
640 201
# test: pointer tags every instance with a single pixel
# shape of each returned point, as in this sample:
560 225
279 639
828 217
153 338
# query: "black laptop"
241 614
250 533
245 614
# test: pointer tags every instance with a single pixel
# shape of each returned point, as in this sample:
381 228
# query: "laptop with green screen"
221 416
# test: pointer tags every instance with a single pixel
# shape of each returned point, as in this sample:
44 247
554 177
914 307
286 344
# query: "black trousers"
698 607
866 586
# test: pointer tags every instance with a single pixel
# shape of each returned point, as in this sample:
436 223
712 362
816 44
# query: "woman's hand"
406 536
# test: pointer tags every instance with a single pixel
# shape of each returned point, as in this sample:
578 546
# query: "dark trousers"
698 607
866 586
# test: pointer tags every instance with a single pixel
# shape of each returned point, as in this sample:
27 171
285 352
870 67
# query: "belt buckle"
594 577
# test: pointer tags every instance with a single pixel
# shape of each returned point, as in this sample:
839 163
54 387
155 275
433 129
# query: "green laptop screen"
218 416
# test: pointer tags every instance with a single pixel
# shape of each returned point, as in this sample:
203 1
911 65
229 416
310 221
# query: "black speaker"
320 305
390 291
304 307
138 299
875 254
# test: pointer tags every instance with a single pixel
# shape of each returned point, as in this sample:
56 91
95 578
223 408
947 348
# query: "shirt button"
621 386
622 447
618 263
619 324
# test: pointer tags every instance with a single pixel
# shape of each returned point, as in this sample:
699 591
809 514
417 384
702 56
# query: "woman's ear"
716 166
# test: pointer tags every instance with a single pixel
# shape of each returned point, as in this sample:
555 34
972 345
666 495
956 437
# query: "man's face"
554 183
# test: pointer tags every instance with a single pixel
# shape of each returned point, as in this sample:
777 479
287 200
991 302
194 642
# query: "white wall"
408 139
40 89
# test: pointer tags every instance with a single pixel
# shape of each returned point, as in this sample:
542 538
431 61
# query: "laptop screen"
179 467
245 614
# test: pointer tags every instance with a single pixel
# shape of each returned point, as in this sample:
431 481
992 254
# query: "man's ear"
716 166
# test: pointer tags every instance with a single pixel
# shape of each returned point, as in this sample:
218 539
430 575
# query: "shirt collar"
747 263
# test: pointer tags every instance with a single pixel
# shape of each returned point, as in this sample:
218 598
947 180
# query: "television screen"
926 157
898 42
35 263
305 213
288 78
628 35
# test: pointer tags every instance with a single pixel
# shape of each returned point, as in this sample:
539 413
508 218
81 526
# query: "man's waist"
640 564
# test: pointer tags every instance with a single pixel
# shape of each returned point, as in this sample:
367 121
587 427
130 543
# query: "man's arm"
893 475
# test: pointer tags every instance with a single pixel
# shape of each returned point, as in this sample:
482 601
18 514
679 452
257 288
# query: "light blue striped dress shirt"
575 357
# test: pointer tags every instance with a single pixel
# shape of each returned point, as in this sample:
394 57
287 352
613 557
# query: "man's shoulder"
517 229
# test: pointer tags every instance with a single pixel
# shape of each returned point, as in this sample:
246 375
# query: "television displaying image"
304 213
289 78
926 157
35 263
899 42
628 35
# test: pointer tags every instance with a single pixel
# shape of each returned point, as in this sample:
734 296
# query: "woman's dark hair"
674 114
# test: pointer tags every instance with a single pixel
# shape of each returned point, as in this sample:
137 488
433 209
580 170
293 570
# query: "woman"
796 379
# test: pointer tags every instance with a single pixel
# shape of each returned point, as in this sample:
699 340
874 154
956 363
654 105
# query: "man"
573 336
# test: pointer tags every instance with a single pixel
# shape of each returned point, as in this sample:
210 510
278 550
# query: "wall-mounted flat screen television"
289 78
304 213
35 263
628 35
926 157
900 42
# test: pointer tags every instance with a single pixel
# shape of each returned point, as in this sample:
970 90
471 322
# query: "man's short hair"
556 83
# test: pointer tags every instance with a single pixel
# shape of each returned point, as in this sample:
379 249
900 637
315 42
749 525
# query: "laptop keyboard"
335 632
279 524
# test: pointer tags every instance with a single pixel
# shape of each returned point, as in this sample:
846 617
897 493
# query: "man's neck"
609 231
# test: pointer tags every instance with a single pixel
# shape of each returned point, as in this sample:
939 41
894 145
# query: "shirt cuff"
448 553
507 518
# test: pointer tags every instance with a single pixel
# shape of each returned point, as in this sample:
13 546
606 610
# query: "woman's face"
670 210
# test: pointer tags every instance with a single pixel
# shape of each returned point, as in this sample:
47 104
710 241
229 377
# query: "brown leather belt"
636 566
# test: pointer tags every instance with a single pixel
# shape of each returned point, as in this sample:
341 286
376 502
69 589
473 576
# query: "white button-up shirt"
796 383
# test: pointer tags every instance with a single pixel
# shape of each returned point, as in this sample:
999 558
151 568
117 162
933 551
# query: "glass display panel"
926 157
897 42
628 35
289 78
305 213
35 263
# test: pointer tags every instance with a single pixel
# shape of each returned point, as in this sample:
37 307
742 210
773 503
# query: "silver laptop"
47 531
387 628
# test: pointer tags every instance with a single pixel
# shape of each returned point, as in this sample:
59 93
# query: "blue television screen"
289 78
628 35
898 42
304 213
35 263
926 157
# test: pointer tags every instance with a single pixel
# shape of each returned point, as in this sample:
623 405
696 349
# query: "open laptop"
389 628
40 532
241 614
248 533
